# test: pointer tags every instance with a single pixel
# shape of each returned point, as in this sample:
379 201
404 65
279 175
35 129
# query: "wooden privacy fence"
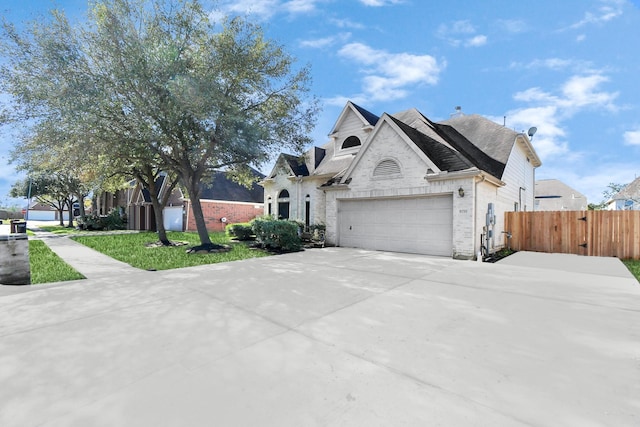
593 233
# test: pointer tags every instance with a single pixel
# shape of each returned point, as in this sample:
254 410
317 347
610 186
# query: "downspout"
299 197
475 212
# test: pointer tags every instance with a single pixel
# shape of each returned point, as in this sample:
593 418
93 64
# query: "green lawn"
131 249
47 267
58 229
634 267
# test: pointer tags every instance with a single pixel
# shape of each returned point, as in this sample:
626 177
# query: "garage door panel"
416 225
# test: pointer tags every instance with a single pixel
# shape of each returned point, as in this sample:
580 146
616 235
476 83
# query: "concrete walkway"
88 262
326 337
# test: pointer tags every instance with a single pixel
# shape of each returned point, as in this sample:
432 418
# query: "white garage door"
42 215
422 225
172 216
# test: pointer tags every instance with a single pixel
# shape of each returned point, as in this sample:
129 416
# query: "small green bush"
242 231
278 234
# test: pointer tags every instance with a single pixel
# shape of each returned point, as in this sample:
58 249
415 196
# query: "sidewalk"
88 262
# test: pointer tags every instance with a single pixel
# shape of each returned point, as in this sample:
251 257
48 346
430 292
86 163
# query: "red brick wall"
234 212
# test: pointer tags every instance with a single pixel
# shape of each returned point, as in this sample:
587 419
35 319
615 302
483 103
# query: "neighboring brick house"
140 212
221 198
225 201
555 195
404 183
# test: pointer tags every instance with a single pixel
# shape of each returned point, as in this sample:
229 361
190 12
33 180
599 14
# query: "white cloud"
548 111
300 6
554 64
263 9
347 23
476 41
582 91
609 10
390 76
459 33
378 3
632 137
325 41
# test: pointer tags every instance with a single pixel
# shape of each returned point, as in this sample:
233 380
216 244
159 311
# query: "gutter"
469 173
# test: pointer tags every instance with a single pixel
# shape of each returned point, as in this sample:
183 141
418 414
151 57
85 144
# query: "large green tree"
159 83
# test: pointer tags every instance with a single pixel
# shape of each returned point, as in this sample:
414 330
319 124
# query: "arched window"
269 209
352 141
307 211
283 205
387 168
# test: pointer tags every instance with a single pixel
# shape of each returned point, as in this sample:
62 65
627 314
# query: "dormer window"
350 142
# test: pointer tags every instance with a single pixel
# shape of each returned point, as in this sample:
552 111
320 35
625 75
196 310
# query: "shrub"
113 221
278 234
242 231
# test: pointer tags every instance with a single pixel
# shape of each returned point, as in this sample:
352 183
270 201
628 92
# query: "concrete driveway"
331 337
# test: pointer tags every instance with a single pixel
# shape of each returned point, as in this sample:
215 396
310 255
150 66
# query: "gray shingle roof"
491 138
445 158
297 164
630 191
455 144
371 118
223 188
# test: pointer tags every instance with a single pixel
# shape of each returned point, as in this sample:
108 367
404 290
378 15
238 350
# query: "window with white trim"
350 142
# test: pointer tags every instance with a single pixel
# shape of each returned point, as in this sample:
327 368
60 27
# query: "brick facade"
215 210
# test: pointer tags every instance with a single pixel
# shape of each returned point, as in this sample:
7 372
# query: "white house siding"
298 190
519 172
351 125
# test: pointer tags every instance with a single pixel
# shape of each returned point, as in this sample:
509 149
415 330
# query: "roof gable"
293 165
434 154
367 118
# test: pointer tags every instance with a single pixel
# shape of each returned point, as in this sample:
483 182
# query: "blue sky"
569 68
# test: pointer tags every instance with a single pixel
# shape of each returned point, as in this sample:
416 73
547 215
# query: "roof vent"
458 112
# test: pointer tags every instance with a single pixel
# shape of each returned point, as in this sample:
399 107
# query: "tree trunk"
158 208
196 207
70 204
201 225
61 215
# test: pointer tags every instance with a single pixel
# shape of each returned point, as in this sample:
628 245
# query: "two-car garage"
422 225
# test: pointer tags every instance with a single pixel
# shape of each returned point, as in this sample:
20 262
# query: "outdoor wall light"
461 192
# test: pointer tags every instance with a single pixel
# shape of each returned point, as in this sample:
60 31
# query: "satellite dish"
532 131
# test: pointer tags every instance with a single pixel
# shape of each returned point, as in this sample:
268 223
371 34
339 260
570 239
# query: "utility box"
14 259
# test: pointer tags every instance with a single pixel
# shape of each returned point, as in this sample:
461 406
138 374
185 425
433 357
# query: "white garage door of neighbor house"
172 216
422 225
42 215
